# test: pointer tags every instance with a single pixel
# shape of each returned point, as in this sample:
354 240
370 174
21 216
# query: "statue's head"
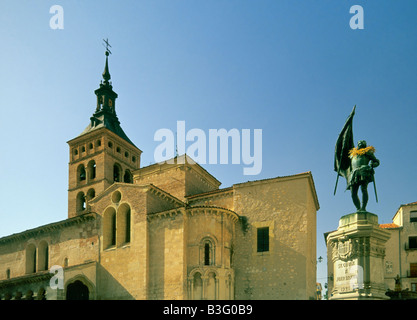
361 144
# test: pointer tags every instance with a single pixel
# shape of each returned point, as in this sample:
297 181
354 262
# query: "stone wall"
179 179
287 269
123 267
167 256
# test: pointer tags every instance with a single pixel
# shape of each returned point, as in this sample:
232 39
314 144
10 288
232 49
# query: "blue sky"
294 69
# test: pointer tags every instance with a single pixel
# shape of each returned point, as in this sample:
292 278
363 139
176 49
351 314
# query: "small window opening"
113 230
31 258
263 239
92 169
413 270
91 194
412 242
207 254
82 173
127 239
116 173
80 202
128 177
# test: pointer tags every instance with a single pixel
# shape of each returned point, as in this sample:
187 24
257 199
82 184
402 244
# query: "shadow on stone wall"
108 288
276 275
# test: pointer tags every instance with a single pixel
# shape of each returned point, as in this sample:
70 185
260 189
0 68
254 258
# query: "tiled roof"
389 226
209 193
108 121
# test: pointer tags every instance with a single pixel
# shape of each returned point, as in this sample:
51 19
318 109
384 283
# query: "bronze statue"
356 165
362 173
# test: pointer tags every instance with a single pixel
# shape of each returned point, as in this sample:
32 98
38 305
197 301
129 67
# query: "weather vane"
107 45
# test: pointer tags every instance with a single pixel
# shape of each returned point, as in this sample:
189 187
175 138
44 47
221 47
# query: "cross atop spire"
106 73
106 41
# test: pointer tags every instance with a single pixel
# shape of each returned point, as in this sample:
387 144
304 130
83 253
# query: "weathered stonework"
356 252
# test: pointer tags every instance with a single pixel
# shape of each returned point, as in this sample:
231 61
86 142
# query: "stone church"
164 231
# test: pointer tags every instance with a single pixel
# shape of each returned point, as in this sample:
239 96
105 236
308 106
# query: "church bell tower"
102 154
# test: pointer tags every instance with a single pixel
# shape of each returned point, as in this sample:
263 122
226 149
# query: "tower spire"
106 73
105 113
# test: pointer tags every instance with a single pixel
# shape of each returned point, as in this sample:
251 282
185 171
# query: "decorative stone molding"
165 214
216 211
354 248
46 229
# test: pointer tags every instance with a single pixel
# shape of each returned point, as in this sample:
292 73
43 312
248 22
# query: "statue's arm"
374 160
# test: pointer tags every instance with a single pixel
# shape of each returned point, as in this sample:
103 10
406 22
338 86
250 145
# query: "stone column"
190 287
358 251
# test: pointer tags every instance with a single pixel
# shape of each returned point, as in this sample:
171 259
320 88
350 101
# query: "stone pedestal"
357 251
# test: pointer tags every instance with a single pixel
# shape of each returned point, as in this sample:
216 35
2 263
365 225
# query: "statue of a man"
363 161
356 165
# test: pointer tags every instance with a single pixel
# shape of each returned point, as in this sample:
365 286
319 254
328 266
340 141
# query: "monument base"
357 251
